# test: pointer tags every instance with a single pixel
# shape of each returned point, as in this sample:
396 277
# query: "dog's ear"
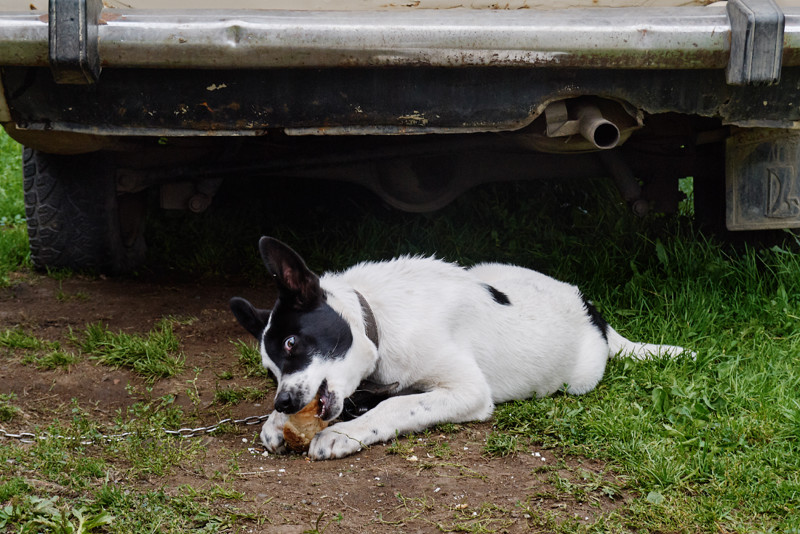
252 319
296 282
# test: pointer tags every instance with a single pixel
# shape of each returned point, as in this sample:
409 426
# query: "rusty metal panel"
410 100
763 180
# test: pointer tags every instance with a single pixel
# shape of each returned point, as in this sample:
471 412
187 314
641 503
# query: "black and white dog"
460 339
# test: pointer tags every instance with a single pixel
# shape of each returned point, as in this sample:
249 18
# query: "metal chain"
28 437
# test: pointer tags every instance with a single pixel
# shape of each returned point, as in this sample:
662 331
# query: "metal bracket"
756 42
72 30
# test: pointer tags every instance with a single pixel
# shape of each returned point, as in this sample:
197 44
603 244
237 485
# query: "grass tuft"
232 396
250 359
153 356
7 409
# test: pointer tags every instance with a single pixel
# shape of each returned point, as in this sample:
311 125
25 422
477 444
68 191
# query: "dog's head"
309 346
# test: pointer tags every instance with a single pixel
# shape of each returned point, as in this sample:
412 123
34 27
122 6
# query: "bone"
301 427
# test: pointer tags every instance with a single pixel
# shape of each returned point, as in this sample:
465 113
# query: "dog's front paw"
334 442
272 433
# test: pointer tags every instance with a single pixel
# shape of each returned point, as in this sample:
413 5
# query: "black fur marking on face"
498 296
595 317
319 333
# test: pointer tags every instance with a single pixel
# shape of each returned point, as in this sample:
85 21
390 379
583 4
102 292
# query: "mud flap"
762 179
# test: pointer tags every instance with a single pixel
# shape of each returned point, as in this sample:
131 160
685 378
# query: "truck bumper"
623 38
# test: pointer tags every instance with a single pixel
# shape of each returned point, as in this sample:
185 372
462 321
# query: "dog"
453 341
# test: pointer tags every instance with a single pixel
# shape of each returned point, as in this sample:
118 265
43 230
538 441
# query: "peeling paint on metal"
415 118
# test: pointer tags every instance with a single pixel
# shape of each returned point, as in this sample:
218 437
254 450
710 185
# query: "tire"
73 214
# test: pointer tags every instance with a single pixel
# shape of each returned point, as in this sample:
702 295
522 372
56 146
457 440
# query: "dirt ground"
446 483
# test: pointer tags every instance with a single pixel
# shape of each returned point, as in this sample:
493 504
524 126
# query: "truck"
416 100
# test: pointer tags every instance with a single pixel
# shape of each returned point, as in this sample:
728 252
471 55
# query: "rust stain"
106 17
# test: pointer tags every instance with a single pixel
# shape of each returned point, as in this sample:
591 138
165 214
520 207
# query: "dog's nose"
284 402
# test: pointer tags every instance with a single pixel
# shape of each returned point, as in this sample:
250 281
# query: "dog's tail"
620 347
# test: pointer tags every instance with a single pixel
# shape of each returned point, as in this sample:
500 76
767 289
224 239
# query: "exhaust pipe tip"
602 133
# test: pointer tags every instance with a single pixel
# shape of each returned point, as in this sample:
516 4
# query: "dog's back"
528 333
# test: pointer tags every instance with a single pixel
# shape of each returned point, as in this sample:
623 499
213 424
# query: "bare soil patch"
431 482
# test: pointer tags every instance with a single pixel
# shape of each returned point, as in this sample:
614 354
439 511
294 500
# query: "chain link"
28 437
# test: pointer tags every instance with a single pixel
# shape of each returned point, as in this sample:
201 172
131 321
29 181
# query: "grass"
45 355
250 359
703 445
7 409
234 395
79 475
13 232
153 356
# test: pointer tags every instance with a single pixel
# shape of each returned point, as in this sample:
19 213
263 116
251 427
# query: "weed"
42 354
232 396
250 359
63 296
183 320
154 356
441 449
56 359
17 338
48 515
501 444
316 529
486 518
7 410
225 375
401 446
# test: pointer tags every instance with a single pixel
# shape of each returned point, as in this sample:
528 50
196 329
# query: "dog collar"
370 325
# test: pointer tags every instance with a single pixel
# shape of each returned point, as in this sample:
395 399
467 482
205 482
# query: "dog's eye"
289 343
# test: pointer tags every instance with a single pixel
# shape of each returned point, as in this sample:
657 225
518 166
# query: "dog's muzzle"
288 403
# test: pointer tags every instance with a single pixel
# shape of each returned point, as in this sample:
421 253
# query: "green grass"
250 359
37 352
156 355
7 409
86 478
13 232
17 338
236 395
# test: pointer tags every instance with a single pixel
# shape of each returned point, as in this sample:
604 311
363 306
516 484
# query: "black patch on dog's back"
595 317
498 296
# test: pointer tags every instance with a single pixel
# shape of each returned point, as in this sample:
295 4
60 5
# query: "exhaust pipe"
596 129
582 124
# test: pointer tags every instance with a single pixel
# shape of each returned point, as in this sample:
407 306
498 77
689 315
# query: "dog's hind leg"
590 366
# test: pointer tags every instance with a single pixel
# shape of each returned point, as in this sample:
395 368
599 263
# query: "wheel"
75 218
